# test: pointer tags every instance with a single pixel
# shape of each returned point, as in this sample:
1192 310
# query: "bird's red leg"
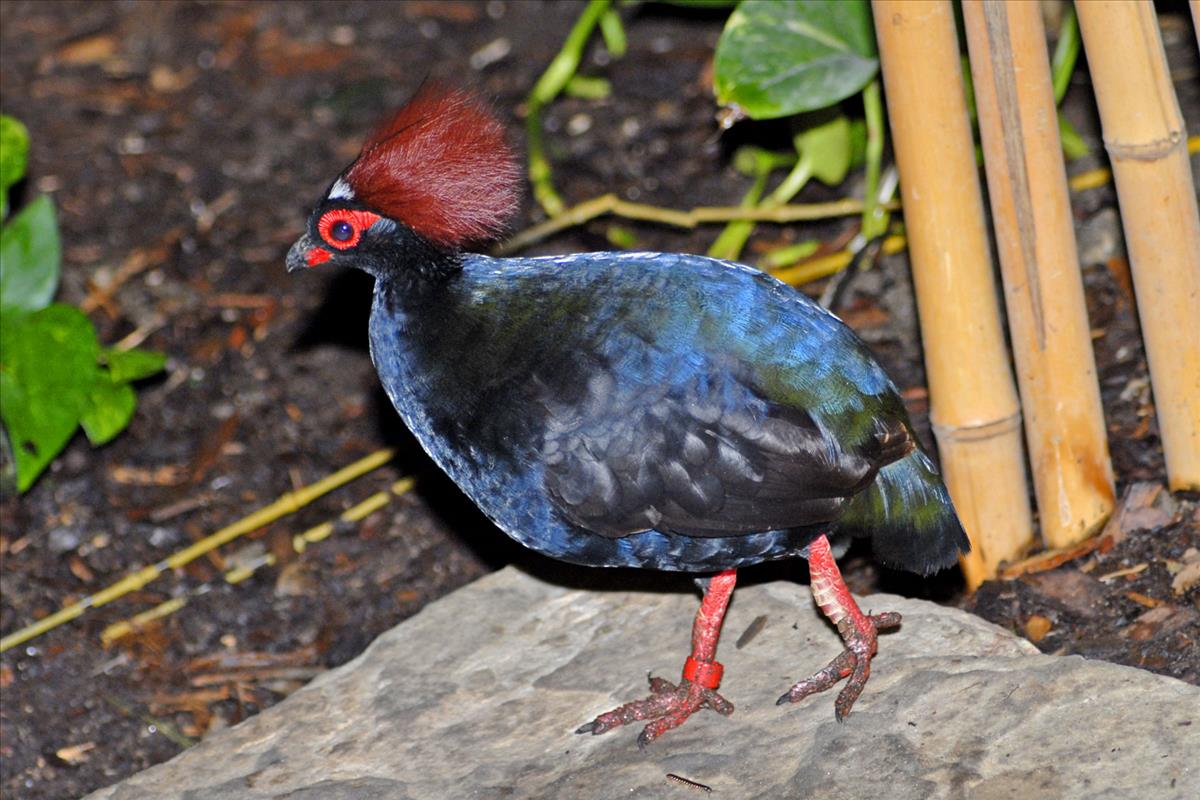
858 631
669 705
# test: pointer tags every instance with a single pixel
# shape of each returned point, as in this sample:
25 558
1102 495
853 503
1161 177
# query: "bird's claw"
668 706
854 661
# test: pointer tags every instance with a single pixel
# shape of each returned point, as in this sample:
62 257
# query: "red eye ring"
346 235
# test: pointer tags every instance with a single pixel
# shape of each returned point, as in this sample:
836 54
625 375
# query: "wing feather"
710 457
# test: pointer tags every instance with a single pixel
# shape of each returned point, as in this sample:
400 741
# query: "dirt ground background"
184 142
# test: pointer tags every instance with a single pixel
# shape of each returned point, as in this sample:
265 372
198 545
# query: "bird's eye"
342 228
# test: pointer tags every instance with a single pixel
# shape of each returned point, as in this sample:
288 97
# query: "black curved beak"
303 254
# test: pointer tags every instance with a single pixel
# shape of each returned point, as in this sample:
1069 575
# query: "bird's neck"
412 269
420 338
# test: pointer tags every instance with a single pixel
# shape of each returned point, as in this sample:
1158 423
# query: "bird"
661 411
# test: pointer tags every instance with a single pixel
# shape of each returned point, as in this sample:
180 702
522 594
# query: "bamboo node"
1152 150
976 431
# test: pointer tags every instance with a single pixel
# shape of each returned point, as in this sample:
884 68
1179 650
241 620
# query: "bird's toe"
668 706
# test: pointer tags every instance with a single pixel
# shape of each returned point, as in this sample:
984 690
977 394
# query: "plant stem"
874 218
731 241
611 204
548 86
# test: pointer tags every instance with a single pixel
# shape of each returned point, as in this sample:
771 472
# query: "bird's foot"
668 705
855 662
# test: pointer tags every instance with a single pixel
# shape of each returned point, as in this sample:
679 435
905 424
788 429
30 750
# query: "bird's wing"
706 457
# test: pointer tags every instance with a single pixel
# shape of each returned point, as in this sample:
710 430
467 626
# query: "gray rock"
478 695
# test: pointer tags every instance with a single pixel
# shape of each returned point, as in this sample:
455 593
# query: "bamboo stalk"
1195 4
1047 314
1145 139
974 408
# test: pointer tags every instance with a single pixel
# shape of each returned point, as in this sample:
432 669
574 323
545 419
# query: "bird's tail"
908 515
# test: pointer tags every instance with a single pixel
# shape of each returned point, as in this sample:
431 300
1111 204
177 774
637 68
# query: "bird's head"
436 178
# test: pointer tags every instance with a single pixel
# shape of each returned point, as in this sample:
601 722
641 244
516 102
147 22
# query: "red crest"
440 165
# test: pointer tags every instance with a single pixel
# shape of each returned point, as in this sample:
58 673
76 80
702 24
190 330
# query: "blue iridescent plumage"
476 367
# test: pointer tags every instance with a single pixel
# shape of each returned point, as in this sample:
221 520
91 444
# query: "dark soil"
183 144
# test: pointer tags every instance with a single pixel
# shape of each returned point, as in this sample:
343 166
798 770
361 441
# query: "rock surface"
478 695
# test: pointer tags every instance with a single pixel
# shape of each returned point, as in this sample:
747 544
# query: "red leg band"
706 673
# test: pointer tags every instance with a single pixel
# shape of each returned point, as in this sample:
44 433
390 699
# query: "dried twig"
287 504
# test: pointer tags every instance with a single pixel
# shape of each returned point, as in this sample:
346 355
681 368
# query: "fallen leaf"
1123 573
167 475
81 570
168 81
1036 628
1050 559
76 753
1157 621
1118 267
865 316
90 50
1077 592
1188 574
296 580
1143 600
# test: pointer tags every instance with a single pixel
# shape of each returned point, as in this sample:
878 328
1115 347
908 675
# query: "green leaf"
30 254
613 33
109 409
969 90
132 365
1073 145
755 162
830 146
586 88
621 237
47 368
1066 53
790 254
14 156
781 57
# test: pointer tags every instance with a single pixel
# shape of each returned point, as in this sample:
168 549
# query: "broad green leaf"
132 365
781 57
830 146
14 156
30 254
47 368
109 409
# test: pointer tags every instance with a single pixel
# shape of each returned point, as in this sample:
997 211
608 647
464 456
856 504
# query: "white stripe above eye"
340 191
